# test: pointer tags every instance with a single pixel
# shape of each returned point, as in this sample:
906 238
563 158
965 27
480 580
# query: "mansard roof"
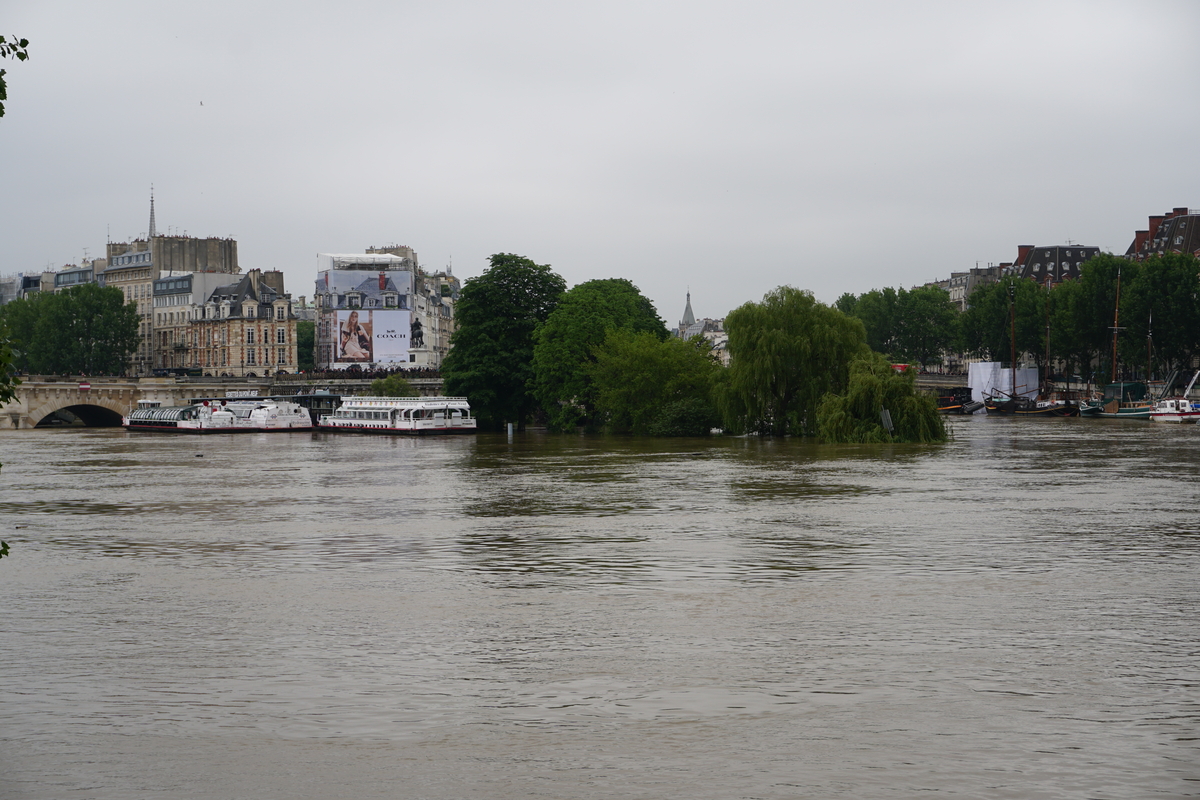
1058 262
1176 232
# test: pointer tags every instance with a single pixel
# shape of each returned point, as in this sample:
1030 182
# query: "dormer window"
389 300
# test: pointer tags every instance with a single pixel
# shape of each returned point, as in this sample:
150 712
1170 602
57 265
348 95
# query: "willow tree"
858 415
786 353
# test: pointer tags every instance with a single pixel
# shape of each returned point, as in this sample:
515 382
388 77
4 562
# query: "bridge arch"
94 413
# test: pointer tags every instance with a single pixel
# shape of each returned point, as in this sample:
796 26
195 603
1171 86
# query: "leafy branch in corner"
11 47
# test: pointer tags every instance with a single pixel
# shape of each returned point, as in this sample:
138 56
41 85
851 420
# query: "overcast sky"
726 147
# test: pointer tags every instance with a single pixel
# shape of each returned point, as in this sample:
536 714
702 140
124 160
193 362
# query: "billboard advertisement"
371 336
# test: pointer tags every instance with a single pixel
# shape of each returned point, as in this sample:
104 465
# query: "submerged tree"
786 353
491 361
647 385
568 342
858 415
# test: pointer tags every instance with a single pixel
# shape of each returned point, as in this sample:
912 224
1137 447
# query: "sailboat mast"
1116 320
1012 331
1046 380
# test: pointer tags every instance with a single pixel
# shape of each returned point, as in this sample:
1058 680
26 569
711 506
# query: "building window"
283 355
281 313
250 336
281 336
250 357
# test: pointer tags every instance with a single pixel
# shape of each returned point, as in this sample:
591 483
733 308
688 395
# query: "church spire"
153 232
689 318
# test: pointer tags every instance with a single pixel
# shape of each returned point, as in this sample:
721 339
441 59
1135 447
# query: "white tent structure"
991 378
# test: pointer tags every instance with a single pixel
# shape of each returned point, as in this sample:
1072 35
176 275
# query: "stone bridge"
101 402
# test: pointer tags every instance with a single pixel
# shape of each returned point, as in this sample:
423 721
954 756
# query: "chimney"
1023 251
1155 221
382 281
1139 241
274 279
1179 212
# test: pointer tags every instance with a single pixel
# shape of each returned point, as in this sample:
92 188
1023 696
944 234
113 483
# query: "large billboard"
371 336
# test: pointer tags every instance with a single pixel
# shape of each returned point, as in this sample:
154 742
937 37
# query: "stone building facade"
245 328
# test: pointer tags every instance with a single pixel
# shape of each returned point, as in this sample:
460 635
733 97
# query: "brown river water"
1010 615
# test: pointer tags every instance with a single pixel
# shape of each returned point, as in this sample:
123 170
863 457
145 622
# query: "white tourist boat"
1177 409
222 416
401 415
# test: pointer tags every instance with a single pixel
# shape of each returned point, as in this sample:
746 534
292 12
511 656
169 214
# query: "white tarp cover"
991 378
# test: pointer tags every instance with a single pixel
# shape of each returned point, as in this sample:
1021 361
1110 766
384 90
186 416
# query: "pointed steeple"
689 319
153 232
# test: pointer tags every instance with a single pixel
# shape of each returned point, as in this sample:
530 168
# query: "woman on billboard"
355 341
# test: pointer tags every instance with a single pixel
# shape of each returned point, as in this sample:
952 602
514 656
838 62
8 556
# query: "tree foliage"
647 385
1162 298
491 360
786 353
566 346
986 331
856 416
11 47
907 325
392 386
306 335
84 330
1158 296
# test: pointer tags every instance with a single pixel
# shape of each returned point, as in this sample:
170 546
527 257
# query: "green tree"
879 310
306 335
84 330
648 385
565 346
491 358
926 325
392 386
19 318
1092 309
1166 289
857 415
786 353
986 325
11 47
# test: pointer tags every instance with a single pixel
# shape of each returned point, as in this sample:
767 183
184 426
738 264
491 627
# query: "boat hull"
394 431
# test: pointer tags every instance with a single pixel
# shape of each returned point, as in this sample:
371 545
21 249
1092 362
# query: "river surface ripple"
1010 615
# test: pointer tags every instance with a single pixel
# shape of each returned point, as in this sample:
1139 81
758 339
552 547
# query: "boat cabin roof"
404 402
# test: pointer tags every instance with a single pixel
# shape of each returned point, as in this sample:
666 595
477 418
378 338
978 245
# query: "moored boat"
1177 409
1029 407
222 416
1120 401
401 415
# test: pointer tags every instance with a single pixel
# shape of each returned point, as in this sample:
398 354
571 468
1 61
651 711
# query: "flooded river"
1010 615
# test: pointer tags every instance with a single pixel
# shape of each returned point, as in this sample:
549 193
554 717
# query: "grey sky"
729 147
